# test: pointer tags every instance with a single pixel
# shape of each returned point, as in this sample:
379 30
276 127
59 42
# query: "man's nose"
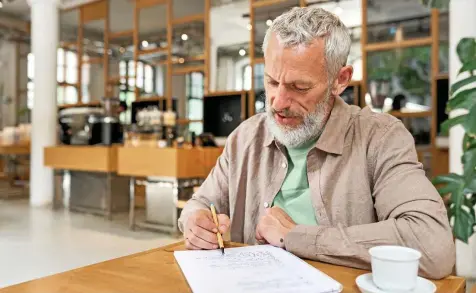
281 100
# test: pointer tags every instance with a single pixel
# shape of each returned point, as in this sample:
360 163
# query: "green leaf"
463 221
457 85
452 183
471 187
448 189
448 178
446 125
462 100
468 142
469 66
466 50
469 164
470 123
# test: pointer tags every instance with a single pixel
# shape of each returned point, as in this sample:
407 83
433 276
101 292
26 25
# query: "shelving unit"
432 41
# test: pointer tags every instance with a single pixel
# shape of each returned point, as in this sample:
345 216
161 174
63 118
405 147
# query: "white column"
44 36
213 67
462 24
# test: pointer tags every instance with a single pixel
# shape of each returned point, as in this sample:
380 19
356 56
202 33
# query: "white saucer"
366 285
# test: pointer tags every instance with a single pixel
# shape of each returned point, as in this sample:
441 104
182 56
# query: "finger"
197 241
204 234
224 222
190 246
206 222
258 234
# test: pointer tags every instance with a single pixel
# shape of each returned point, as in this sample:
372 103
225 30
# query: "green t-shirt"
294 197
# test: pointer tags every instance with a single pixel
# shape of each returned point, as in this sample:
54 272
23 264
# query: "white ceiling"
17 7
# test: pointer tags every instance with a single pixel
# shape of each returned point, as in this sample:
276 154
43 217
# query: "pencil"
220 238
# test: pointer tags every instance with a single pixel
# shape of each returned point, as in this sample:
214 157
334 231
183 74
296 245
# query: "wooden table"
156 271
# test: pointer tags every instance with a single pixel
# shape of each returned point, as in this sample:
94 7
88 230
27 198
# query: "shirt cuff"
303 240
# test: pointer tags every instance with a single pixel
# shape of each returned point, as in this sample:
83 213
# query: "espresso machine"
92 125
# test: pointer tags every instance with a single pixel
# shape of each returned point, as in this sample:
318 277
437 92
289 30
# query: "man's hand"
200 230
274 226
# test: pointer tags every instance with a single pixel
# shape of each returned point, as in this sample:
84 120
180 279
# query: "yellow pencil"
220 238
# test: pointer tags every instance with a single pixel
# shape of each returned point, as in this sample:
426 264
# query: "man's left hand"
274 226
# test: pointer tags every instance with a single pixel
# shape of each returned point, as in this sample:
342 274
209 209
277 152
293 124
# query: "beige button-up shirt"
366 184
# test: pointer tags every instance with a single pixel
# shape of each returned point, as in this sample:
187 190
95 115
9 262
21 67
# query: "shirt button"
266 204
283 165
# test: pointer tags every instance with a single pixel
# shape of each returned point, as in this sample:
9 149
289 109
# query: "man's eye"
272 82
301 89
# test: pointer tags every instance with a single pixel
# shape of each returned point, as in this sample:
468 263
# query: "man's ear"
344 76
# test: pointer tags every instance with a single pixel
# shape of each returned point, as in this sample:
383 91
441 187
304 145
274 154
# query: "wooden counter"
180 163
82 158
157 271
15 149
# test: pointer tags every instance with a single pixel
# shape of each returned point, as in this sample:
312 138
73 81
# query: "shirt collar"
333 136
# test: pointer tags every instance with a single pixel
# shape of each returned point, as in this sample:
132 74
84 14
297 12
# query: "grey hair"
301 26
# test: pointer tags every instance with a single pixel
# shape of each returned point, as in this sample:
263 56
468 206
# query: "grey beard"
311 128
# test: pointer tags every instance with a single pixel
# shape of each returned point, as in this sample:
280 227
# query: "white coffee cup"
395 268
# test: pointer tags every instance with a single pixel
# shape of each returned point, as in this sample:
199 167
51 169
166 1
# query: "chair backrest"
474 289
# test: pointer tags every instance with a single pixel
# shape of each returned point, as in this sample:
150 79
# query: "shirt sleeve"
213 190
409 209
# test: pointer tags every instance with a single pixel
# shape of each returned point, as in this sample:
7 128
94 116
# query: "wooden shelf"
185 60
396 45
152 51
141 4
187 121
416 114
265 3
78 105
188 69
189 18
65 84
150 99
224 93
442 76
68 45
121 34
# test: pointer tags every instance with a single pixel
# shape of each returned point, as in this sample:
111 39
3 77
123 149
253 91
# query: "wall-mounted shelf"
152 51
121 34
189 18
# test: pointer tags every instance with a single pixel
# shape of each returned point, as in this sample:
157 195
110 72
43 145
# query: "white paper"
252 269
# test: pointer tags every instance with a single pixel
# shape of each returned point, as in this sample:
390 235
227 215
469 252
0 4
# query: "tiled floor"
38 242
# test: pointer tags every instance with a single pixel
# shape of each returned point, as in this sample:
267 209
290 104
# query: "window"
67 74
145 82
194 92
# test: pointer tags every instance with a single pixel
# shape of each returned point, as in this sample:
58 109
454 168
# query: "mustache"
286 113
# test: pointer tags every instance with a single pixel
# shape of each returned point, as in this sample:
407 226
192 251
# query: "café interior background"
144 97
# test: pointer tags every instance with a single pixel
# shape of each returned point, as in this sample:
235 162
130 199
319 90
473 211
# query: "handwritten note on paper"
253 269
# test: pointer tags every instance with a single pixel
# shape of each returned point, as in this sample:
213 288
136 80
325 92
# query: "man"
315 176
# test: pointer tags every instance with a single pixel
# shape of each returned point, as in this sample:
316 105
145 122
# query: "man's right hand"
200 230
